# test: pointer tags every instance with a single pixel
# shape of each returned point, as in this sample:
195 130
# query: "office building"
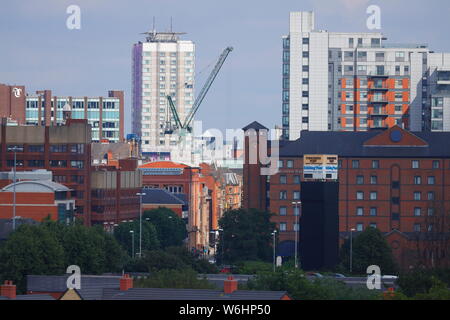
104 114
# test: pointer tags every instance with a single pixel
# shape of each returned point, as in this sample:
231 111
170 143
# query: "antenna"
154 26
170 24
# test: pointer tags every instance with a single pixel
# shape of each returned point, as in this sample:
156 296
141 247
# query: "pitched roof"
36 186
351 144
189 294
255 125
160 196
163 164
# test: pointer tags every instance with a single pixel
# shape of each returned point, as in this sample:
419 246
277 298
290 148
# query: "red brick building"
394 180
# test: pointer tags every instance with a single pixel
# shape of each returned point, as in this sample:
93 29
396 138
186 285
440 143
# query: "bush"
253 267
176 279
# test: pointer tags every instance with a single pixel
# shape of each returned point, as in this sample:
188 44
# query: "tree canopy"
170 228
246 235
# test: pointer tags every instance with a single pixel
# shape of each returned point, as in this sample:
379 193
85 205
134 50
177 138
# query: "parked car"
389 277
314 274
339 275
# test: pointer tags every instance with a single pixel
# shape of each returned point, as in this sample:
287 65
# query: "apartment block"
162 65
358 81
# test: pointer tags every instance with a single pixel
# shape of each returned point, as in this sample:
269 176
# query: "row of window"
283 227
373 211
415 164
431 180
53 163
373 195
54 148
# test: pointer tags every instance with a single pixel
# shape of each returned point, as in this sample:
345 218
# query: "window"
283 179
36 148
359 195
296 211
36 163
282 226
305 81
359 211
360 180
305 41
417 180
417 196
373 179
355 164
283 195
296 195
431 180
415 164
417 212
58 163
430 212
359 227
77 148
435 164
416 227
77 164
290 163
431 195
280 163
373 225
373 211
305 68
395 185
373 195
375 164
60 179
296 179
10 163
283 211
296 227
58 148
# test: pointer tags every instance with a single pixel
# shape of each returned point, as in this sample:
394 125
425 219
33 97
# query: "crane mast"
187 122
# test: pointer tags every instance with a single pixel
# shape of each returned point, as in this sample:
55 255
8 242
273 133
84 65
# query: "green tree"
369 248
246 235
176 279
149 236
30 250
171 229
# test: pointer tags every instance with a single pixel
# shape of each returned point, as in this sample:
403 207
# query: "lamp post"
14 149
223 246
140 194
274 234
297 214
351 248
132 243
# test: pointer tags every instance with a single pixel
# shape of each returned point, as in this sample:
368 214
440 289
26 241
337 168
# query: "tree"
171 229
369 248
175 279
246 235
149 236
31 249
433 244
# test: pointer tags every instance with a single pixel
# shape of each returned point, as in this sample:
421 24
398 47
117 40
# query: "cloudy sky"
37 49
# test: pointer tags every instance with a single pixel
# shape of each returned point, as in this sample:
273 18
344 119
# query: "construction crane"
186 125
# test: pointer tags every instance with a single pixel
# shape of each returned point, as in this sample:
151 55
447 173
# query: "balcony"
378 74
382 87
380 100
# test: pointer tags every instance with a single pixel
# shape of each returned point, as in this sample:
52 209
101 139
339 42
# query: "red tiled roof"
163 164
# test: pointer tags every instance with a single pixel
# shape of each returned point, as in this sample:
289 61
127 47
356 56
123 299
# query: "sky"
38 50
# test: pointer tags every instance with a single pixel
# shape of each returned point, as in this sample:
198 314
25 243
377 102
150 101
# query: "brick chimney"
126 282
8 289
230 285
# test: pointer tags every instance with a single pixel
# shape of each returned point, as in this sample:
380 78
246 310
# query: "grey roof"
351 144
254 125
30 297
189 294
160 196
91 286
120 150
36 186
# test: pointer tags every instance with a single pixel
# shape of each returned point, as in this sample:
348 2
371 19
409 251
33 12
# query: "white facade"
163 65
316 63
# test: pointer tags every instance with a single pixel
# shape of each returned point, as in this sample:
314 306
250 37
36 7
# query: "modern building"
35 198
162 65
104 114
394 180
357 82
63 150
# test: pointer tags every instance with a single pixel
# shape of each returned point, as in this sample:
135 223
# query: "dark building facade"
394 180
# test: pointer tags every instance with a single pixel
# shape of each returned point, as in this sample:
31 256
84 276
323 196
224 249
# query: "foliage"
170 228
124 237
246 235
30 250
438 291
420 281
369 248
173 258
176 279
253 267
299 287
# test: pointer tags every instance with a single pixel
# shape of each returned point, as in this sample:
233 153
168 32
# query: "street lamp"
297 214
274 234
351 248
14 149
223 243
140 222
132 243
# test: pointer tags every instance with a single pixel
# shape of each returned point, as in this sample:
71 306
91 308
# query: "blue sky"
40 52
